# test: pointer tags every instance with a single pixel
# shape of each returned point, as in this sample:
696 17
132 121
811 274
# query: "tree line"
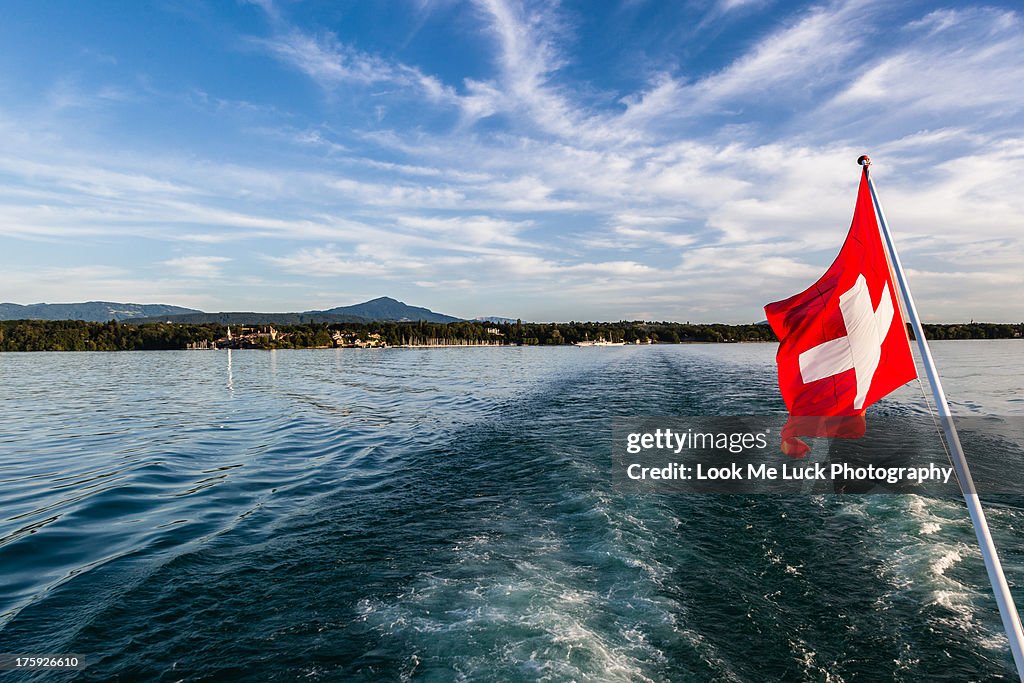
76 335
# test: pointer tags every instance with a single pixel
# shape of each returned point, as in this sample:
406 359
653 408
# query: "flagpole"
1004 599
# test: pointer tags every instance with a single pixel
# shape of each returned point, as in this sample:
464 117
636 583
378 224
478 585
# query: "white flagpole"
1007 610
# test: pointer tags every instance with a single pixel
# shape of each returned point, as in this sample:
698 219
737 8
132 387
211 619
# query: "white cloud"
657 236
925 76
331 63
327 61
405 196
331 262
471 229
731 5
696 213
197 266
95 282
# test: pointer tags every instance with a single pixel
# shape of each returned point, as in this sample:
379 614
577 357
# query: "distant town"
375 324
79 335
268 337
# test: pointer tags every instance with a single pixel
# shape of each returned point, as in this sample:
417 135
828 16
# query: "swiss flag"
843 341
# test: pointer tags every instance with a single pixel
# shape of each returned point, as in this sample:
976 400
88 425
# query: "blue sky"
582 160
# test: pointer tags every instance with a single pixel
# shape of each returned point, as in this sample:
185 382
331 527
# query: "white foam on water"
995 640
710 655
906 661
946 559
515 628
517 610
922 546
812 669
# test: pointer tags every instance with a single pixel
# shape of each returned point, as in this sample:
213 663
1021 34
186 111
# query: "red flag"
843 342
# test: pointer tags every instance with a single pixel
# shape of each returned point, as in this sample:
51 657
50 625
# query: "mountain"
383 308
380 309
386 308
251 318
93 311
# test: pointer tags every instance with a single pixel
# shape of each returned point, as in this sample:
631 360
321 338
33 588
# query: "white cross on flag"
843 344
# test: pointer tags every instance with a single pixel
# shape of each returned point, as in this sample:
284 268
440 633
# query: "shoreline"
454 346
27 336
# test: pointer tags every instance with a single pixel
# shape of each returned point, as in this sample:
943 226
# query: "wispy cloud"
328 61
795 60
712 184
331 262
100 282
331 63
922 76
471 229
197 266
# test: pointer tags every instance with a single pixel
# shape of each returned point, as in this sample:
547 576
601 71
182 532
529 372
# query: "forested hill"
380 309
95 311
386 308
251 318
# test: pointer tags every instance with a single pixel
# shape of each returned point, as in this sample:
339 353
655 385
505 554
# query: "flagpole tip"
864 160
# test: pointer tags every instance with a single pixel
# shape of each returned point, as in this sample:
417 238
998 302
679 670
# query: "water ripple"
444 514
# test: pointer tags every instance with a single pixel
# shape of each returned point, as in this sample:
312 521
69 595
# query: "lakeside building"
249 337
352 340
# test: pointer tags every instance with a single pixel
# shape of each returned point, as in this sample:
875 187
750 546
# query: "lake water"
447 514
